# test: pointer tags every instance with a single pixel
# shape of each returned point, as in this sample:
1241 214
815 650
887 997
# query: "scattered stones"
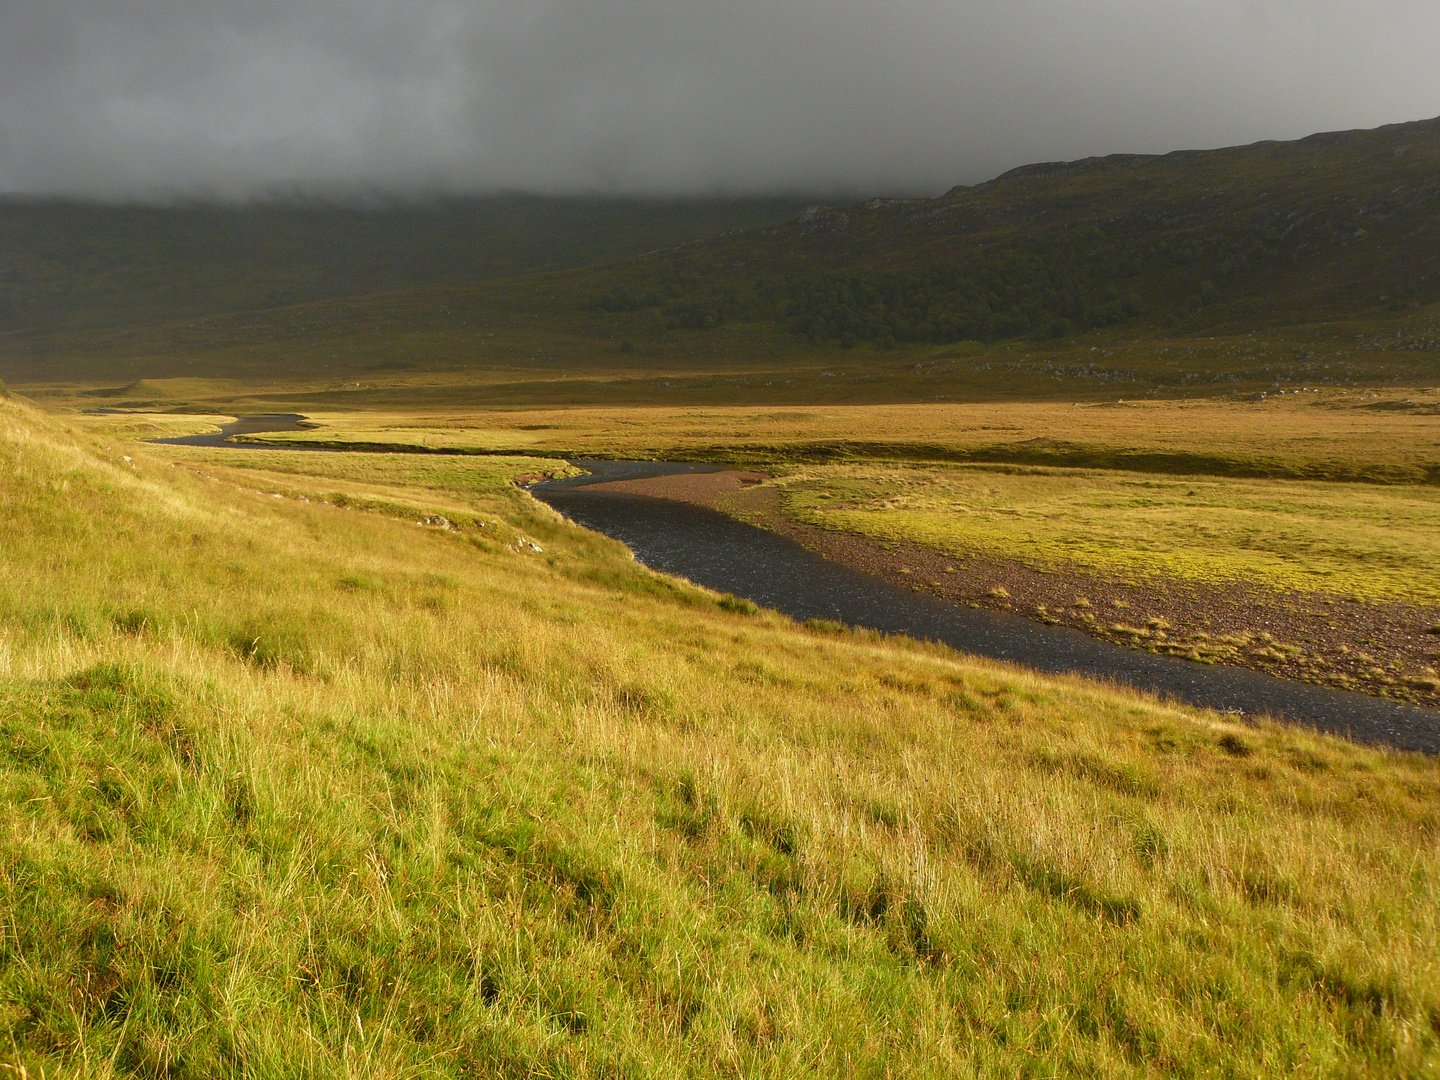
1345 639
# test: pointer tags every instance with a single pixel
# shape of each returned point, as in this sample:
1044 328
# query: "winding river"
774 571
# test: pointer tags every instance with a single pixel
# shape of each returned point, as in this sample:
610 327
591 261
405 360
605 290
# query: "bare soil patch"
702 489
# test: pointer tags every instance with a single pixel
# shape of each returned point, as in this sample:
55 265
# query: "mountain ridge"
1335 237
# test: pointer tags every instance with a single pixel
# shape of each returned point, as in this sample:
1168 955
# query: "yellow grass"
1369 541
305 787
1167 500
1343 434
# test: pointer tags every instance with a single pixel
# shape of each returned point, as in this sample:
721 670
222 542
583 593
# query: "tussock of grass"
290 787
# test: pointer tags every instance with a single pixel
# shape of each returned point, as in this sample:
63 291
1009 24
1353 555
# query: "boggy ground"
1384 648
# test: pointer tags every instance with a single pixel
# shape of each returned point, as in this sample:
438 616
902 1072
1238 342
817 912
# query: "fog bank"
229 97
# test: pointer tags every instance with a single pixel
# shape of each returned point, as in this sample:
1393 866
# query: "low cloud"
232 97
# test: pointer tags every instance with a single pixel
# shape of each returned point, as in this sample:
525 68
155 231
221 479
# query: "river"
774 571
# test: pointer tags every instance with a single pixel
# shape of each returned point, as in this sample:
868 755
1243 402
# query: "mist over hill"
124 97
1331 225
1338 233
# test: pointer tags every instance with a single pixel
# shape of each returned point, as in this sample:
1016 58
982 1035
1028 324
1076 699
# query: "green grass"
1384 438
1375 542
73 264
476 484
302 787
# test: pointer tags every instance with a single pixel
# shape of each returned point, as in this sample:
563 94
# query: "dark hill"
1331 225
1329 247
68 265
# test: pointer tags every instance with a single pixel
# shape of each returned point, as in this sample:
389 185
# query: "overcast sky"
126 97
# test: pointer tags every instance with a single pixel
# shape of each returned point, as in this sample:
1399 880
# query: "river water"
774 571
242 425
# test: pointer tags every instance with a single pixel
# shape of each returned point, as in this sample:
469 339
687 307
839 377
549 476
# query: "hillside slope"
1301 262
1332 225
292 783
75 265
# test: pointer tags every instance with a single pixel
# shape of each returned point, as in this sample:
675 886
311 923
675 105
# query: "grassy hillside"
66 264
523 343
1316 261
1249 237
295 784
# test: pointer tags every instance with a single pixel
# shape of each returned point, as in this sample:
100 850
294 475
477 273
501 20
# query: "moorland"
301 783
1293 535
366 762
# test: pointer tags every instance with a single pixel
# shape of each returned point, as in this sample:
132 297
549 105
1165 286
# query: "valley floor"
1379 647
1293 535
340 764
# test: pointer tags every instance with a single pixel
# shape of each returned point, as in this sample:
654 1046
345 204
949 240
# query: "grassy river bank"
370 765
1292 535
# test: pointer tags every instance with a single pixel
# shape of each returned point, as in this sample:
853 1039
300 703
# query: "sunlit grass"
1371 541
1135 518
305 787
1388 438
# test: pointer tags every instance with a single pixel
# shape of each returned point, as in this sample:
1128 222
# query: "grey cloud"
117 97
